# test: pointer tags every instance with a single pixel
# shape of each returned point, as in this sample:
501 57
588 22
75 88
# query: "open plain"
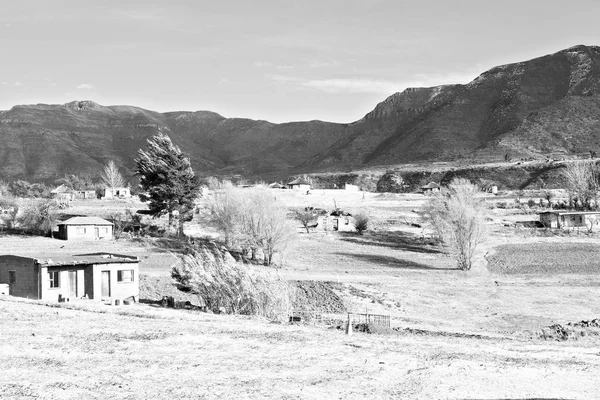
483 333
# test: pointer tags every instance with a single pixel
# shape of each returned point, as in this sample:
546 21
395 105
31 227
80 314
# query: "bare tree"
456 216
582 182
250 217
111 176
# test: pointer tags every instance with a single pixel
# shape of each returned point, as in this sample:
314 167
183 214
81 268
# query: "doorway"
105 284
73 284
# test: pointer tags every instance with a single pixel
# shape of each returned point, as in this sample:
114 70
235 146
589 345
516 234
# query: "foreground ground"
141 353
476 334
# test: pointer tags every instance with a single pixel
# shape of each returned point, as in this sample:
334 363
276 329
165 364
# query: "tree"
75 182
21 188
38 217
168 180
305 216
582 182
250 217
111 176
456 216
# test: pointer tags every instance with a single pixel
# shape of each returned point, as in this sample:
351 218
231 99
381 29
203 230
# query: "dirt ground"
461 334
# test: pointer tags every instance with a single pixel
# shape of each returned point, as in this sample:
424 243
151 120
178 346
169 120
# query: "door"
73 284
97 233
105 284
336 224
12 279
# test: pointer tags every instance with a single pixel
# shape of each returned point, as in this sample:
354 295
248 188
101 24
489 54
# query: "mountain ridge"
545 107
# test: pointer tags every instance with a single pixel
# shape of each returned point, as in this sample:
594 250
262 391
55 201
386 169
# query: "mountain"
545 107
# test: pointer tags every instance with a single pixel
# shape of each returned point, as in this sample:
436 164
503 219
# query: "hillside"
545 107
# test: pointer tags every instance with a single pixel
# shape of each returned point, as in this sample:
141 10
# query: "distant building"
430 188
100 276
570 219
115 193
62 192
336 221
276 185
85 194
298 184
85 228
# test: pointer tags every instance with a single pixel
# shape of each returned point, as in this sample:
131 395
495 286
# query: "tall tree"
168 180
111 176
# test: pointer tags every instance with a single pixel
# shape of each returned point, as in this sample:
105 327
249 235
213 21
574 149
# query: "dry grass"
157 353
57 353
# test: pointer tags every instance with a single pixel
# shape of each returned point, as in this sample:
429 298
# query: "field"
476 334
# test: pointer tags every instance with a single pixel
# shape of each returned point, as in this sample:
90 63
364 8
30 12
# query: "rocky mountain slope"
545 107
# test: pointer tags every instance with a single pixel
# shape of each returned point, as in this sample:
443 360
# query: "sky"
280 61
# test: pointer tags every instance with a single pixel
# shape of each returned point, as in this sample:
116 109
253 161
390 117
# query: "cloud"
5 83
84 86
364 85
18 83
267 64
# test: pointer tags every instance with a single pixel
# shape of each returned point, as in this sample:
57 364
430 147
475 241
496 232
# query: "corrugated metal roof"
85 221
83 259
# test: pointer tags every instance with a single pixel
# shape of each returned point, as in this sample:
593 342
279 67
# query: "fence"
374 319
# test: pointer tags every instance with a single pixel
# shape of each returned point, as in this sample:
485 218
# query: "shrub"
38 217
228 286
531 203
361 222
456 216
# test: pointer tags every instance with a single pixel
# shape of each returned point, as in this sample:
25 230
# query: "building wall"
301 187
111 193
85 232
52 294
118 290
26 283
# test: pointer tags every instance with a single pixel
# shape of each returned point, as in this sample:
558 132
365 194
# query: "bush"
38 217
456 216
361 222
228 286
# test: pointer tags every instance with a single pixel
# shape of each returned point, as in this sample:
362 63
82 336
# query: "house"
299 184
85 228
351 188
430 188
570 219
63 192
115 193
276 185
99 276
336 221
85 194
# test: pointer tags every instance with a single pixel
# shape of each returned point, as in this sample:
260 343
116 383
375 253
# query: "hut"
570 219
98 276
85 228
299 184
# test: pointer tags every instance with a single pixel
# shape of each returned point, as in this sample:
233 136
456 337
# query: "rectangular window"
12 277
80 229
54 279
125 275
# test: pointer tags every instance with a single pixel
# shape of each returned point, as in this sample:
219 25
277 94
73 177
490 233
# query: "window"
12 277
54 279
347 221
80 229
125 275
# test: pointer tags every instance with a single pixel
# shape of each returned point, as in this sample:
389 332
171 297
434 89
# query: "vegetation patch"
545 258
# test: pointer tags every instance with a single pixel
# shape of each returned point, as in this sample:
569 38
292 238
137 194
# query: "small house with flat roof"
570 219
97 276
85 228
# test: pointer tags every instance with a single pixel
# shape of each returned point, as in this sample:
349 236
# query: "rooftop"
85 221
570 212
82 259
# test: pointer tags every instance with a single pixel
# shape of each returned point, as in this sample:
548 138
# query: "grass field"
474 334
